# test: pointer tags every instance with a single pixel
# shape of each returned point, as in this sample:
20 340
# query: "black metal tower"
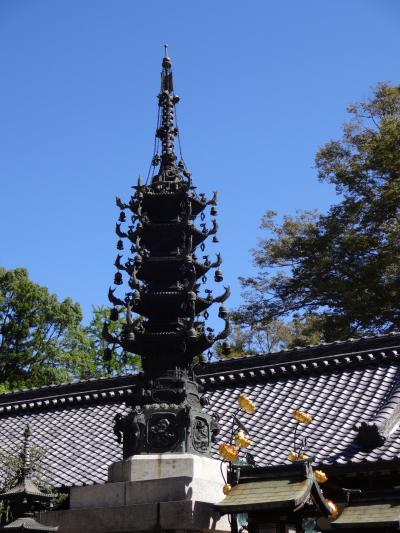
165 278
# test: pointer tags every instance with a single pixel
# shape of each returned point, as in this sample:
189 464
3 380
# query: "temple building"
306 439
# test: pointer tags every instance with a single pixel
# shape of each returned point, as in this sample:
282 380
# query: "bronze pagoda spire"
164 274
167 130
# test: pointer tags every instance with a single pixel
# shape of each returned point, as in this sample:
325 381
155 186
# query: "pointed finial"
166 63
27 432
26 456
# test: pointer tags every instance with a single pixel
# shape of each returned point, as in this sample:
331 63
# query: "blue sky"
263 84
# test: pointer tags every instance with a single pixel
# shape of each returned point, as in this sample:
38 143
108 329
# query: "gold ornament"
228 452
302 417
226 488
246 404
242 440
332 508
320 476
294 456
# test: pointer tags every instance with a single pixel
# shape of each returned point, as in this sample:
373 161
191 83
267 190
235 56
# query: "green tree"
109 359
259 338
41 340
337 275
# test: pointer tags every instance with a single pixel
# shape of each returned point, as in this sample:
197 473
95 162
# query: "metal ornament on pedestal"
165 278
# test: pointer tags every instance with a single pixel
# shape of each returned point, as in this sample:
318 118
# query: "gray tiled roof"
351 388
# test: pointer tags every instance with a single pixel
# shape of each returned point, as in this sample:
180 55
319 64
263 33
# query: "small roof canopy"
285 486
371 510
27 523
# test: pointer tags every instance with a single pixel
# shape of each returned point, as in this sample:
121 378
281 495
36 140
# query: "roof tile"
340 385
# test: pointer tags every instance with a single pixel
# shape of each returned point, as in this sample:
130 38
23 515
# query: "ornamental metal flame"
165 278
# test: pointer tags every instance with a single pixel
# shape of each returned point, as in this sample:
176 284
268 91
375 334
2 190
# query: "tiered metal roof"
352 389
165 229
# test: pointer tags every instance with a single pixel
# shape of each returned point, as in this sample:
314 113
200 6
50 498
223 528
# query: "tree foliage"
43 341
260 338
337 275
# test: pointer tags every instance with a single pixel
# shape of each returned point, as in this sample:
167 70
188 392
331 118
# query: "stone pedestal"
148 493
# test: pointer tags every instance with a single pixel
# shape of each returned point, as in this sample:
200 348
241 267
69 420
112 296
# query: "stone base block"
148 493
100 520
179 515
166 465
137 492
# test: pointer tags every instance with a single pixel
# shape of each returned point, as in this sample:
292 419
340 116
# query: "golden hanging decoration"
226 488
302 417
320 476
242 440
332 508
246 404
228 452
294 456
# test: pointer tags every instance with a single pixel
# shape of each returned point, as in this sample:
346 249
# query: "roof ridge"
284 369
315 351
49 392
278 364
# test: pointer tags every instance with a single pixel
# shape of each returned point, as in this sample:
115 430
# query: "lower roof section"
271 494
286 487
369 515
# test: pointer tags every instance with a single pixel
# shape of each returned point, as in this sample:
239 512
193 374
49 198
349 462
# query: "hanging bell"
213 212
215 239
131 336
226 349
107 354
118 278
218 276
120 245
114 314
192 333
136 297
122 216
223 313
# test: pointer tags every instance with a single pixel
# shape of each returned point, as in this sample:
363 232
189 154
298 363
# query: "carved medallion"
162 431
